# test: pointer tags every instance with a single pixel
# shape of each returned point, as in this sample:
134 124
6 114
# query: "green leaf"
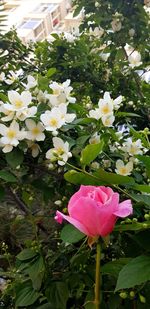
113 268
46 306
142 188
146 161
89 303
141 198
124 114
112 178
36 272
3 97
83 121
142 239
51 72
82 139
7 176
136 272
26 296
138 135
70 234
90 152
14 158
58 294
80 178
26 254
77 10
43 82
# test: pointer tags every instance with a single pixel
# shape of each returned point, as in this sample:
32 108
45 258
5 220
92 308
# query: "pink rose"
94 210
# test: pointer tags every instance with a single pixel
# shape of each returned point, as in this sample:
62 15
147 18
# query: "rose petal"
60 216
87 211
125 209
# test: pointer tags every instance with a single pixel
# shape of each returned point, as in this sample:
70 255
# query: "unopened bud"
146 216
142 299
123 295
65 210
132 294
146 131
58 202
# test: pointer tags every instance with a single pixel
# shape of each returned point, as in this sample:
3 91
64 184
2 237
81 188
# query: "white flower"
66 117
61 93
124 169
31 82
58 202
9 115
11 78
18 106
18 101
95 138
26 113
146 77
104 56
135 59
69 37
107 104
95 113
97 4
41 96
60 151
108 120
106 163
35 148
105 108
97 31
2 77
11 136
95 165
131 32
35 130
53 119
5 53
3 284
116 25
132 148
129 49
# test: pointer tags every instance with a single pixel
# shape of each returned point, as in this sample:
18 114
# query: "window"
38 30
44 7
30 24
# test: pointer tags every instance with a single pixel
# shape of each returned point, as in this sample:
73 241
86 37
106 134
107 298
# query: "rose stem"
97 277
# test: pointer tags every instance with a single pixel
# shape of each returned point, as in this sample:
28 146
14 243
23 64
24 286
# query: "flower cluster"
130 148
106 108
24 122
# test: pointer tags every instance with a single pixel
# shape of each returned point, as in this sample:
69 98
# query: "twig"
23 207
18 201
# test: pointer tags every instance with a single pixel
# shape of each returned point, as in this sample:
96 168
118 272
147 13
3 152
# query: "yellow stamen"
11 134
105 109
53 122
60 151
133 149
35 131
56 91
123 170
18 104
